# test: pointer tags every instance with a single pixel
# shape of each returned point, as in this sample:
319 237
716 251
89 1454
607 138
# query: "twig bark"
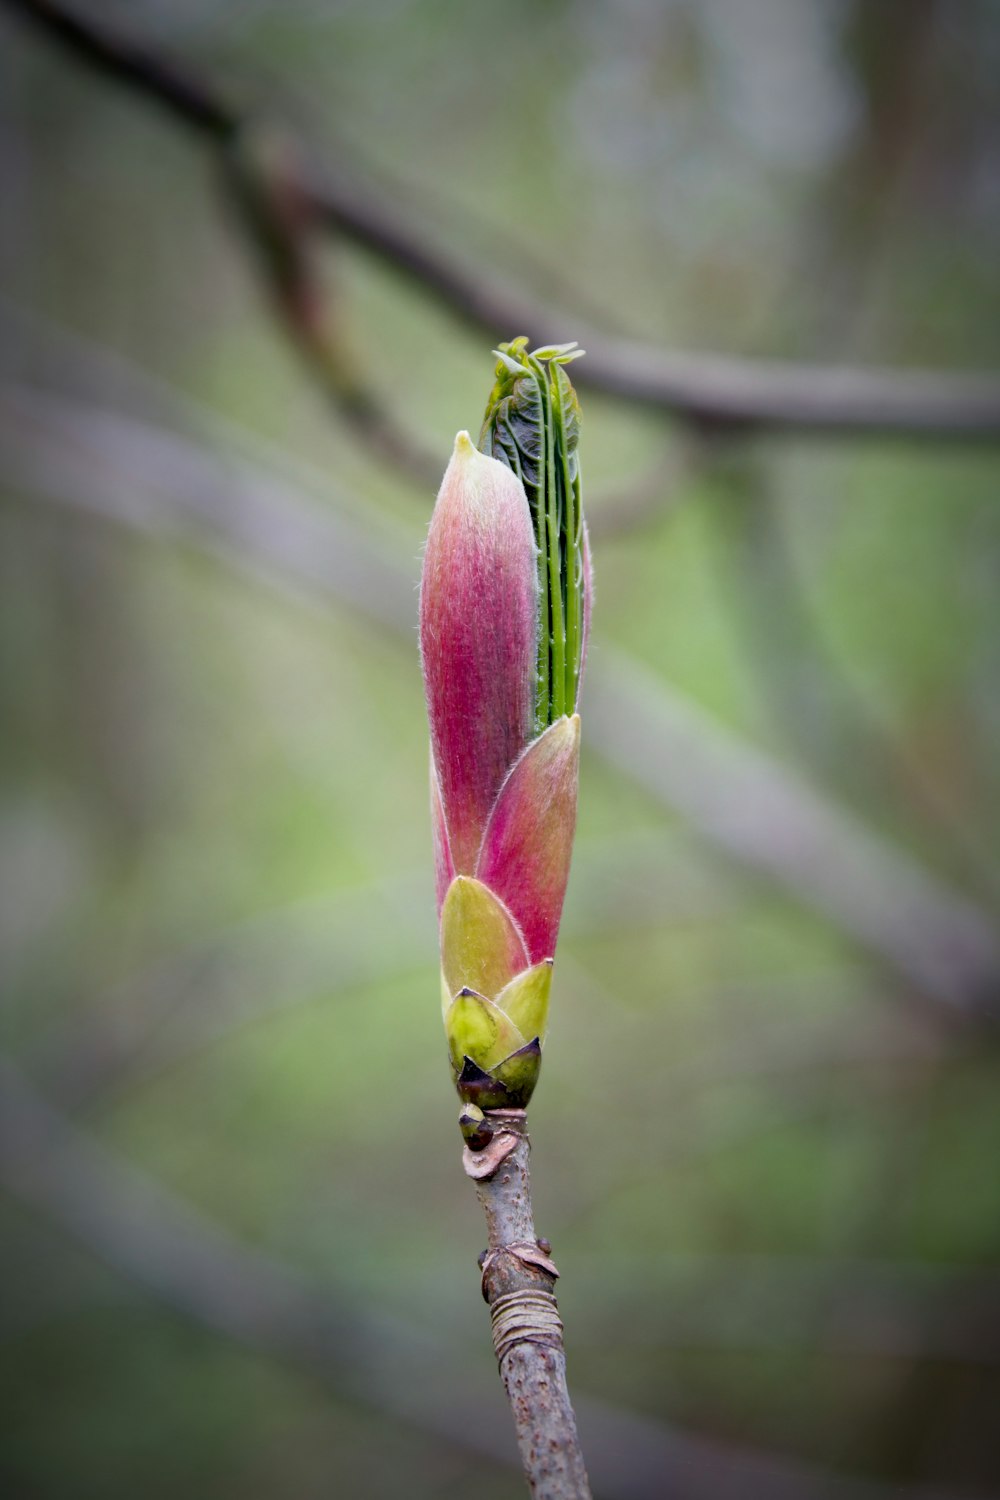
709 390
518 1278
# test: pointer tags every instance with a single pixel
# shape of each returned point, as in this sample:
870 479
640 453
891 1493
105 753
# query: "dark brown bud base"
507 1086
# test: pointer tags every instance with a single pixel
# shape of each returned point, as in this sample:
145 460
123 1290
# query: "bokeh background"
238 1251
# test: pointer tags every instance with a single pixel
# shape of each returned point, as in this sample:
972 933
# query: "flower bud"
478 638
504 615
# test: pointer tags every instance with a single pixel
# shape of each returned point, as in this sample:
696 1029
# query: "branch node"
526 1316
528 1253
499 1131
483 1163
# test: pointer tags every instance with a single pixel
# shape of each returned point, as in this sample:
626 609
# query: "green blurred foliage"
769 1175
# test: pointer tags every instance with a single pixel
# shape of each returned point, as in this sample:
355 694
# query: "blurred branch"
279 231
155 482
203 103
837 726
850 249
38 349
782 1071
844 1306
150 1236
764 815
650 496
735 795
709 390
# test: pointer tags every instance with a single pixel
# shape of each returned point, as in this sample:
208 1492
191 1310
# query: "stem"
572 566
553 522
518 1277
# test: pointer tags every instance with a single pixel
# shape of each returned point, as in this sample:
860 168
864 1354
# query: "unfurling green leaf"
532 424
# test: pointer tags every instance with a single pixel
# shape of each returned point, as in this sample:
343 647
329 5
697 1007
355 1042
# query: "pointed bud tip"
567 728
479 472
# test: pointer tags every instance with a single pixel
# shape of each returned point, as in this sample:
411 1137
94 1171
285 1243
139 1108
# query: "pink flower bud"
478 641
504 618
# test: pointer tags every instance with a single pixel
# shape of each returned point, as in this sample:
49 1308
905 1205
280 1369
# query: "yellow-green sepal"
525 1001
479 1030
519 1073
481 946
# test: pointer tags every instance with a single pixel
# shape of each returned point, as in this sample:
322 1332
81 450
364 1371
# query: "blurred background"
238 1251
